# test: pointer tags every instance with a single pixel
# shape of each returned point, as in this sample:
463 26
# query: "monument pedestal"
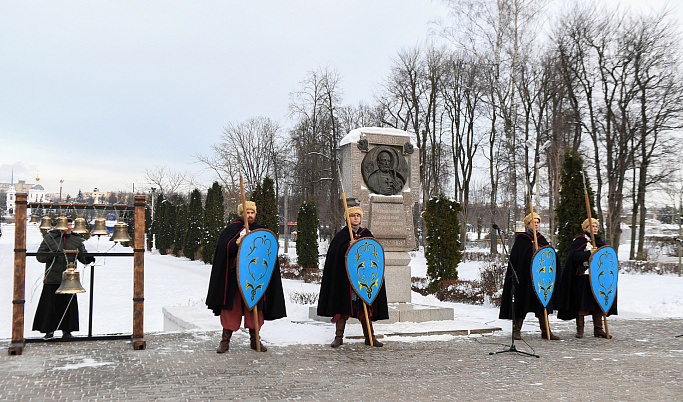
380 169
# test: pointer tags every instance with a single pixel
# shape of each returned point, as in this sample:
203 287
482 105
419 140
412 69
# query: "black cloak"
573 292
335 288
525 298
223 281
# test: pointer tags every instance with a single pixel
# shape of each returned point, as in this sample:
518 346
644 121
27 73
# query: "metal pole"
680 232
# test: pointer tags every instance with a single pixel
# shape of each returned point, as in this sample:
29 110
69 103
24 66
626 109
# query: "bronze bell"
100 227
62 223
120 233
70 281
34 218
79 225
45 223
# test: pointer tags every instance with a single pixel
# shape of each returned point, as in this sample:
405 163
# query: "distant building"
97 196
36 193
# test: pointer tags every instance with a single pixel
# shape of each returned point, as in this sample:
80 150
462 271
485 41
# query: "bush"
443 239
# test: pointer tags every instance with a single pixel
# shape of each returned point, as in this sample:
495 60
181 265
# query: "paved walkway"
643 362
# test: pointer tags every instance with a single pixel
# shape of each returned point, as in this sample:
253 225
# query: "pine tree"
195 225
571 208
306 237
179 228
267 211
443 239
213 221
162 240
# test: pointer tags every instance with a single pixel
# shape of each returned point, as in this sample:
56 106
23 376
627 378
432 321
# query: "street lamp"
60 190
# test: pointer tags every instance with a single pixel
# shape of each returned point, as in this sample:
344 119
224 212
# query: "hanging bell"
45 223
34 218
100 227
62 223
79 225
70 281
120 233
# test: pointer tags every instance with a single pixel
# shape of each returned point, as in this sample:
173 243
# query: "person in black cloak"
58 311
574 297
224 297
337 298
525 298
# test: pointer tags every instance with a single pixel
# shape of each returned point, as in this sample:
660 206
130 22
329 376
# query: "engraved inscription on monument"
384 170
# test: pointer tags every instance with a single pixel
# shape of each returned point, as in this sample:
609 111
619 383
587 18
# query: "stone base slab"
403 312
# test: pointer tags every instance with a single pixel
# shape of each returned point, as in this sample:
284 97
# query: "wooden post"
17 344
139 273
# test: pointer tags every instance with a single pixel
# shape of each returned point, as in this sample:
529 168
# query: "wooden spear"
351 235
246 228
590 225
533 228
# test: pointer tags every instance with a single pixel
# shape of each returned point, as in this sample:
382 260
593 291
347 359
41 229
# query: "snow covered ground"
171 281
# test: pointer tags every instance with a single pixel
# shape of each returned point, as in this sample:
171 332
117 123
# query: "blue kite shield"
256 259
365 267
604 272
543 273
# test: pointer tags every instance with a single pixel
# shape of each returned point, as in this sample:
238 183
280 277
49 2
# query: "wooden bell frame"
17 343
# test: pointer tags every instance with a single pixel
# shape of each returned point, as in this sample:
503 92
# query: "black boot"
598 332
252 337
224 346
579 326
544 334
339 332
367 335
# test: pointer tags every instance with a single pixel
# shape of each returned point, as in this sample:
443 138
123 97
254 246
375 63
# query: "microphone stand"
515 280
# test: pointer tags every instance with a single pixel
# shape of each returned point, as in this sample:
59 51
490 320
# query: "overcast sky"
95 92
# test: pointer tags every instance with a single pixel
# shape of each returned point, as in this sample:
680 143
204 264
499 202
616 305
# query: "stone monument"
381 171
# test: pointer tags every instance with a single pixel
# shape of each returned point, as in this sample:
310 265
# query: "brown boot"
518 322
224 346
252 337
375 342
579 326
339 332
598 332
544 334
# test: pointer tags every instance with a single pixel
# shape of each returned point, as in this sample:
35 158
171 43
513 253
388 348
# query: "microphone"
495 227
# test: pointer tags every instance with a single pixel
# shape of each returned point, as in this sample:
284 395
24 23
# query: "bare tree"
166 180
659 109
252 146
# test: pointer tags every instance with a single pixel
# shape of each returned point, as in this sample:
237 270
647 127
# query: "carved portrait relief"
384 170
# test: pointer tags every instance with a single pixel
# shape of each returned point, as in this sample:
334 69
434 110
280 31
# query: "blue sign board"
365 267
543 274
604 272
256 259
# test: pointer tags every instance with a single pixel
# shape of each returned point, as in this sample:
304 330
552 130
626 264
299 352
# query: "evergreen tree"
267 211
179 228
306 237
162 225
129 220
571 208
195 225
443 239
213 221
148 226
